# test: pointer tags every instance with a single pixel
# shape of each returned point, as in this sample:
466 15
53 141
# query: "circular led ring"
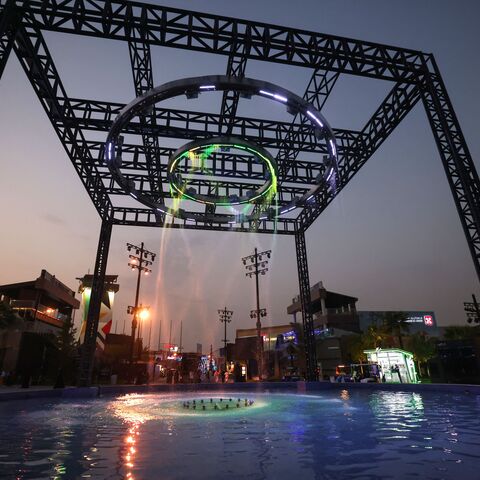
191 152
247 87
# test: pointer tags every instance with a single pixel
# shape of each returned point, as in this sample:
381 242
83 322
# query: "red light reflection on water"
129 408
129 449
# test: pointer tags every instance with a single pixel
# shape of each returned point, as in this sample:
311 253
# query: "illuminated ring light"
199 150
246 87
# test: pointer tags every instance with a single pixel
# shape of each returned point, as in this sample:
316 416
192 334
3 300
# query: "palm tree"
423 349
395 323
354 346
374 337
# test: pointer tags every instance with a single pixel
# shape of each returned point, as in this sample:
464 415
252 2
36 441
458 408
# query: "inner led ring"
266 191
247 87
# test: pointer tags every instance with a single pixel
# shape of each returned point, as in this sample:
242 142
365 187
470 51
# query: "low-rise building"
330 309
42 308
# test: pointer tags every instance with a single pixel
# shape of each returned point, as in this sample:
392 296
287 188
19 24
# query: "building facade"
42 307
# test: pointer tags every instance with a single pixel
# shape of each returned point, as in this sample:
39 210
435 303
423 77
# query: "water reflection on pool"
333 435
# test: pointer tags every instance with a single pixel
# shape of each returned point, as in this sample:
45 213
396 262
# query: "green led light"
198 154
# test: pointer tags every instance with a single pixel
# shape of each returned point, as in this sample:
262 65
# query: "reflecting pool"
332 435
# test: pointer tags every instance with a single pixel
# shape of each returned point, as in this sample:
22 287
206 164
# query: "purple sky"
392 238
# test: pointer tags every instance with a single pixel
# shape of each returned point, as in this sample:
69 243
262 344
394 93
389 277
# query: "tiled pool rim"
300 387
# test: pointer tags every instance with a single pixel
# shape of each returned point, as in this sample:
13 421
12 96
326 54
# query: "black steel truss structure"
414 76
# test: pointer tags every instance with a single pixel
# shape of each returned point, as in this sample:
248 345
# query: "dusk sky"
392 237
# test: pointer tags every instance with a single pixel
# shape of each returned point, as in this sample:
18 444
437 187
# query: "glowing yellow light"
144 314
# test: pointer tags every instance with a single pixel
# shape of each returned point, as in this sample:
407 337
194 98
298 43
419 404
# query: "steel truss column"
89 345
141 61
8 26
457 161
305 299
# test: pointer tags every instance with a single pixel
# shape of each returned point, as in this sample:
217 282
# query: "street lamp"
256 265
225 316
141 312
139 262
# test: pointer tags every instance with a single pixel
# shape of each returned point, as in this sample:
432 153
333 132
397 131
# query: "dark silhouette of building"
42 307
330 309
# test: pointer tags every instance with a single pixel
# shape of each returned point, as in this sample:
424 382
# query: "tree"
67 346
423 349
354 346
395 323
455 332
7 316
374 337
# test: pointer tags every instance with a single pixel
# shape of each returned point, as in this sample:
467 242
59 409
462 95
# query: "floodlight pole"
258 268
472 309
139 262
225 316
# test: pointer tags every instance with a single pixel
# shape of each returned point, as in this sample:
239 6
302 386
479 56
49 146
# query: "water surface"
334 435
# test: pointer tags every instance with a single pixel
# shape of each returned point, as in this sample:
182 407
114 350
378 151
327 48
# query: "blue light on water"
335 434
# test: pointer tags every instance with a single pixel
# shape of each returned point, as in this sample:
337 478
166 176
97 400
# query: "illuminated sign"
425 318
416 320
428 320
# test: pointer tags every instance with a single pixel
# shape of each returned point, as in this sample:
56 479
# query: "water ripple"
344 435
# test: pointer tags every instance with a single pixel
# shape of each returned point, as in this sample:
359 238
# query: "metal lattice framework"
413 74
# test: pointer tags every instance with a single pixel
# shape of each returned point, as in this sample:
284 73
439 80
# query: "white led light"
310 197
109 151
333 147
134 196
207 87
274 95
263 218
311 115
330 175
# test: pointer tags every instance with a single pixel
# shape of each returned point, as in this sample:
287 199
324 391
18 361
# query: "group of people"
197 376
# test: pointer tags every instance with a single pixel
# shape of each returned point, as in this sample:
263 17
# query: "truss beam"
317 92
98 116
147 218
8 27
224 164
141 61
37 63
237 63
285 194
196 31
401 99
455 155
